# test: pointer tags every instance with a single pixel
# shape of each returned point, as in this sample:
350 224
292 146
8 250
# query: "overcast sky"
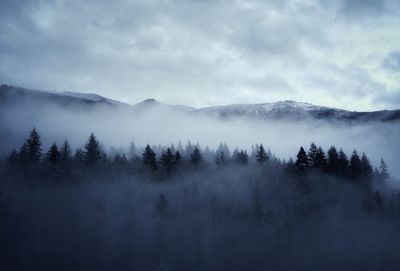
341 53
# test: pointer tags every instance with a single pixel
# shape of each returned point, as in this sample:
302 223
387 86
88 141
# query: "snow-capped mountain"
292 110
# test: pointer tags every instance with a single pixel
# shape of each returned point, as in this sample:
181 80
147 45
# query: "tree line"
30 157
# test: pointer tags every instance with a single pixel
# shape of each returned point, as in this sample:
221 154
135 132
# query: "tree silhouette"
92 154
196 158
149 158
167 160
343 164
333 161
33 148
320 161
312 153
355 165
65 152
302 163
241 157
383 171
53 155
261 155
366 168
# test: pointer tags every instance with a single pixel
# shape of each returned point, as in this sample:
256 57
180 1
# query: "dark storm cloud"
193 52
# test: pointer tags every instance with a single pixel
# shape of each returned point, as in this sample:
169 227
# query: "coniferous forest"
189 208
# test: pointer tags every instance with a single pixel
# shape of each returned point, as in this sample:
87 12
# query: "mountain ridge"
287 109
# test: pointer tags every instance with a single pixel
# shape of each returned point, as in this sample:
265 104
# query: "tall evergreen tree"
220 159
261 155
149 158
366 167
65 151
355 165
167 160
241 157
320 161
333 161
302 163
53 155
312 153
178 156
343 164
383 170
92 154
196 158
33 148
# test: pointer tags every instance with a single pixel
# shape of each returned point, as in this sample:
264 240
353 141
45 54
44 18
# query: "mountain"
12 96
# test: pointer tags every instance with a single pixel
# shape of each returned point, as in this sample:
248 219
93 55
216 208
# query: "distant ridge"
288 109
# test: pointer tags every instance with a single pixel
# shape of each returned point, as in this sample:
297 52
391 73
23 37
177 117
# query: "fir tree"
178 156
33 148
53 155
241 157
343 164
320 161
366 167
302 163
333 161
167 160
261 155
355 165
312 153
65 152
92 154
383 171
196 158
149 158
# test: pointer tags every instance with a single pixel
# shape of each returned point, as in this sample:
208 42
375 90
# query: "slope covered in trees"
188 208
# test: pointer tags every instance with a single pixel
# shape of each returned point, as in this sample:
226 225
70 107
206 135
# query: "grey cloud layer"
206 52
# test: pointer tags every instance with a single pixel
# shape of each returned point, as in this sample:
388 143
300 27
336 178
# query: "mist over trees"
189 208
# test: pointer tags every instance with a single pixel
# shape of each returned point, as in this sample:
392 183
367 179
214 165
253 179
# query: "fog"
161 125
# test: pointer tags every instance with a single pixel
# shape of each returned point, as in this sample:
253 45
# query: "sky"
339 53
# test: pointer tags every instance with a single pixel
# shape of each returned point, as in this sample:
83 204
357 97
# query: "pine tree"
53 155
33 148
366 167
178 157
343 164
320 161
312 153
65 152
79 157
241 157
355 165
196 158
302 163
92 154
167 160
333 161
220 159
383 171
149 158
261 155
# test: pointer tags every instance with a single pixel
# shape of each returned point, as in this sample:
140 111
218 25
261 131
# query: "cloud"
392 61
196 52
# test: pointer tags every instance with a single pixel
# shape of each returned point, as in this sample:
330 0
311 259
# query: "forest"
188 208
